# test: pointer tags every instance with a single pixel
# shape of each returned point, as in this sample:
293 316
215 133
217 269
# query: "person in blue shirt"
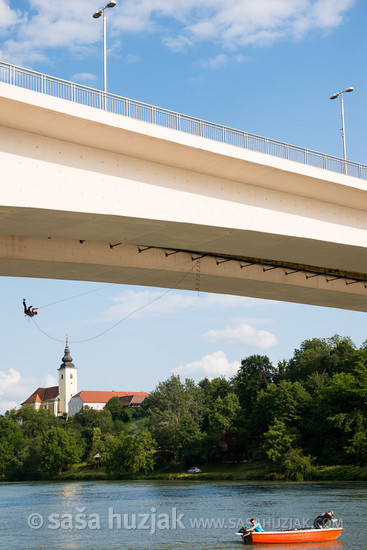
246 533
255 526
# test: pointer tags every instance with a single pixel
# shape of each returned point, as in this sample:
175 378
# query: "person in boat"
29 311
322 520
255 527
245 533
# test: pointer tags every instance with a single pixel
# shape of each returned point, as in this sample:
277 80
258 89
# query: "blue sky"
267 67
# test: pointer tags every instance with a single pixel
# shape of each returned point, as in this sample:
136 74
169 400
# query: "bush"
297 466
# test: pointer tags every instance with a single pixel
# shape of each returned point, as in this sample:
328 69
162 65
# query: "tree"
88 419
222 412
330 355
337 423
168 405
297 466
254 374
25 465
11 440
279 440
131 454
115 407
189 439
286 401
35 422
59 450
142 457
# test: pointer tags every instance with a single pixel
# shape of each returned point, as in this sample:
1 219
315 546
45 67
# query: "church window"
71 376
62 377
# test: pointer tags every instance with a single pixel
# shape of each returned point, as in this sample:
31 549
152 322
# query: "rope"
75 296
118 322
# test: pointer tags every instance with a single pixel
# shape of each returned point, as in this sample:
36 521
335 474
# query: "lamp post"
97 15
334 96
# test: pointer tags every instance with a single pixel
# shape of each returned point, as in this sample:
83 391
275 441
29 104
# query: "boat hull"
299 536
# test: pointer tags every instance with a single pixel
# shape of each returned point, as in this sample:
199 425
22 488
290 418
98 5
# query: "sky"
267 67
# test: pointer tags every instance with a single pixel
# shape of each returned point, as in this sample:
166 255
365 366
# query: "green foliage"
25 465
59 450
314 404
115 407
329 355
341 405
129 453
254 374
222 413
11 440
189 439
297 466
337 473
169 404
287 402
279 440
35 422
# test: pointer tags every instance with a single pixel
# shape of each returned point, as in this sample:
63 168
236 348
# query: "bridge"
98 187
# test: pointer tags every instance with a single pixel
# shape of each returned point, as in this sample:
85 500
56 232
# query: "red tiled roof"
42 395
105 396
133 399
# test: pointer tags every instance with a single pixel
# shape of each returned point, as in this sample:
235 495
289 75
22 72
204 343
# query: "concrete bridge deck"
90 195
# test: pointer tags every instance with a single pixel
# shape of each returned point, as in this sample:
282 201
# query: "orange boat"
296 536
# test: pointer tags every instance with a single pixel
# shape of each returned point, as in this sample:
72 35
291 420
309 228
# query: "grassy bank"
251 471
210 472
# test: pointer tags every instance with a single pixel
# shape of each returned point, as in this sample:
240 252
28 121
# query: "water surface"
171 515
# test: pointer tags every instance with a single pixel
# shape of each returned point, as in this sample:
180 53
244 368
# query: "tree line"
306 411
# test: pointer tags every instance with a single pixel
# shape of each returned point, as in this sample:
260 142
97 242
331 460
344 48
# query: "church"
64 400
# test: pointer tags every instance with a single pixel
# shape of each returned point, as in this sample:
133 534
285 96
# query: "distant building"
56 398
45 398
98 399
63 400
134 400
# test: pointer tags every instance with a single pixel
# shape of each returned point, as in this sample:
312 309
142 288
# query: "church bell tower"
67 381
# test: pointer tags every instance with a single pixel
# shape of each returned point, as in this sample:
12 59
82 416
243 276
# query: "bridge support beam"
23 256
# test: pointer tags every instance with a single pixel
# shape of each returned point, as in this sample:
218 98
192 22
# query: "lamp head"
350 89
111 4
334 96
97 14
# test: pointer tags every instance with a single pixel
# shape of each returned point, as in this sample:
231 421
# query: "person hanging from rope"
29 311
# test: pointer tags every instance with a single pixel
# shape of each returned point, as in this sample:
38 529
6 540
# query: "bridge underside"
149 265
92 196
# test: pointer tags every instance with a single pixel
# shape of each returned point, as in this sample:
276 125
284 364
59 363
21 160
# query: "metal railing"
38 82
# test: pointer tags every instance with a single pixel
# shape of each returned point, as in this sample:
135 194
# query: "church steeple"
67 380
67 359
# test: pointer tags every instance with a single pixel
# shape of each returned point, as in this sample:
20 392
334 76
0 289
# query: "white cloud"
8 16
48 381
8 380
243 334
215 62
151 302
69 25
210 366
84 78
132 58
14 388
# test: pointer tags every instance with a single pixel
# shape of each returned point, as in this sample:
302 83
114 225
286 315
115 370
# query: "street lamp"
334 96
97 15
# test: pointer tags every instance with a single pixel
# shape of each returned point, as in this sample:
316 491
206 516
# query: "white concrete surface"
70 173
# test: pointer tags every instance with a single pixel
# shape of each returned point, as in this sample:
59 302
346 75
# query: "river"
159 515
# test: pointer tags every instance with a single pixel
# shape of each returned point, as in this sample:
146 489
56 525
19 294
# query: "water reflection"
334 545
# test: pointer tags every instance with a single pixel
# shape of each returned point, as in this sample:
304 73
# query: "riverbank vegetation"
304 419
